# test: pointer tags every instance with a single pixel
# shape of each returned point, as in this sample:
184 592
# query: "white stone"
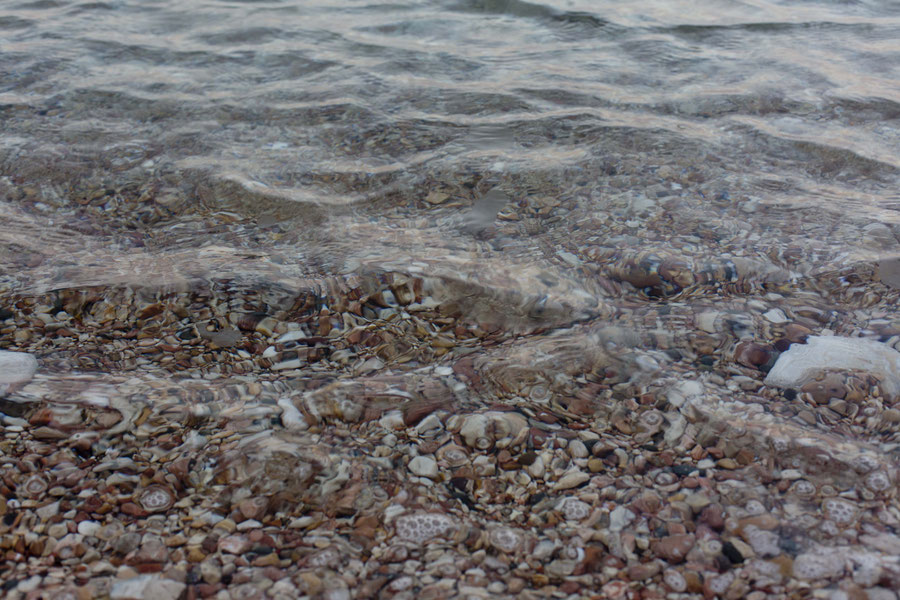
295 363
474 427
577 449
801 363
392 420
430 424
707 321
677 427
48 510
536 469
823 563
291 336
620 518
424 466
291 417
146 587
89 528
776 315
16 367
248 525
569 258
29 585
683 391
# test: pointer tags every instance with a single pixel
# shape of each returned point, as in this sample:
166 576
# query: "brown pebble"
130 508
515 585
210 543
785 564
831 386
797 333
763 521
728 463
49 433
595 465
208 590
694 582
416 410
570 587
744 457
675 528
253 508
713 516
644 571
753 355
195 554
267 560
674 548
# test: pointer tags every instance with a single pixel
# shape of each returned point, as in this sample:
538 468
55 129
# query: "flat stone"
234 544
248 524
571 479
889 272
48 510
697 502
801 363
146 587
776 315
49 433
29 585
57 530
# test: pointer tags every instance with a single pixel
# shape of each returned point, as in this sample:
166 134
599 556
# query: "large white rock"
16 367
801 363
424 466
146 587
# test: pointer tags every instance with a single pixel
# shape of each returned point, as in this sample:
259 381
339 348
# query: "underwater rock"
802 363
16 367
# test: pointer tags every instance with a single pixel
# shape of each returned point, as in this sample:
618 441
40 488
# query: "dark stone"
683 470
722 562
674 354
733 554
783 344
14 409
753 355
535 498
527 458
460 483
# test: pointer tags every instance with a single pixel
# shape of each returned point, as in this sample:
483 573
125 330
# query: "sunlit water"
585 203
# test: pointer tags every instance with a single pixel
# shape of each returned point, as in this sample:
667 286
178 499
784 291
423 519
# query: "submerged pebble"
16 367
803 363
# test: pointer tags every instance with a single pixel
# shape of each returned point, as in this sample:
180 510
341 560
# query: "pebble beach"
481 300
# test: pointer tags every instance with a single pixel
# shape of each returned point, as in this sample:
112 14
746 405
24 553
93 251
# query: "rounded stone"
424 466
16 367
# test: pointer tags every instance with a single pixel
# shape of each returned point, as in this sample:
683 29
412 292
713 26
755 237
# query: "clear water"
571 184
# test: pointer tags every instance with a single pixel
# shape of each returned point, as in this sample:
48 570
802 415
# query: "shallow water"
565 208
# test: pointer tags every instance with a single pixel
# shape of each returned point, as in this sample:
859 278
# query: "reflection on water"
426 299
